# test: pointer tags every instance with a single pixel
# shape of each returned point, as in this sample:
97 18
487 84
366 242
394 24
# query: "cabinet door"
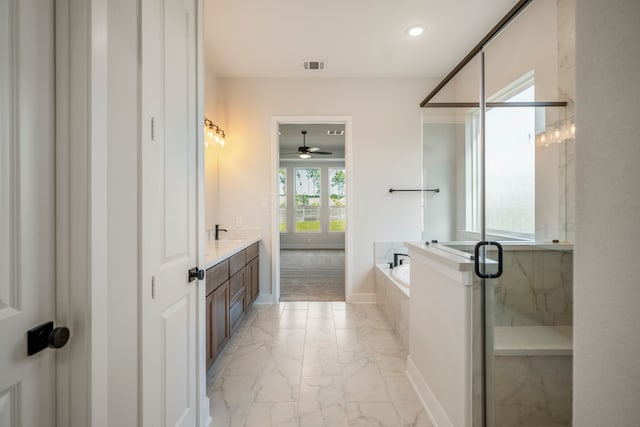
256 278
220 318
209 311
254 267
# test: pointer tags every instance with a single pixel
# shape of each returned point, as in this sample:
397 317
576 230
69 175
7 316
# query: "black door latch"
196 273
46 335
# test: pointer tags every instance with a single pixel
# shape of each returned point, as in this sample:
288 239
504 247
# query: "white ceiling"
358 38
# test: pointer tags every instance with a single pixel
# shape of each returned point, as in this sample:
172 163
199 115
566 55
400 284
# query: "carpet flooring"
312 275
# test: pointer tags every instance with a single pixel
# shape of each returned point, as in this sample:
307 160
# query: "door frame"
81 202
276 121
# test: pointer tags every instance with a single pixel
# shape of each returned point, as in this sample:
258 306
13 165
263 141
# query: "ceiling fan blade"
313 149
322 152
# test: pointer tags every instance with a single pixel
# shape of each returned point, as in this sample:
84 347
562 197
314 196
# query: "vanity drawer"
236 311
236 263
251 252
236 283
217 275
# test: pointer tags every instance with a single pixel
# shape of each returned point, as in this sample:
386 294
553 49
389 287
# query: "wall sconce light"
556 133
213 134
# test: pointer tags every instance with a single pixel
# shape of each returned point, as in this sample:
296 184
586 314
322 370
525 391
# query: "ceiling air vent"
314 65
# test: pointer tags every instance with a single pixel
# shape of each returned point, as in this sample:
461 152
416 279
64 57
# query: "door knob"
46 335
196 273
59 337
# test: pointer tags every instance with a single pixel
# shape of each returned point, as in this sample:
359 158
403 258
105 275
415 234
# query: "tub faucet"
218 230
397 262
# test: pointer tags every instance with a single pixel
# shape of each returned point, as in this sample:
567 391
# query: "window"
307 200
312 199
509 166
337 200
282 195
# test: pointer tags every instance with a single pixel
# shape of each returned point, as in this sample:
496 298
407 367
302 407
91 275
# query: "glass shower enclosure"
498 139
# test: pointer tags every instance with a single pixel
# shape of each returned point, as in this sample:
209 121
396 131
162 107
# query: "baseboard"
431 404
205 409
264 299
362 298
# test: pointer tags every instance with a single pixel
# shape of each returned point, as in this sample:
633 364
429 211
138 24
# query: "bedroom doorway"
312 211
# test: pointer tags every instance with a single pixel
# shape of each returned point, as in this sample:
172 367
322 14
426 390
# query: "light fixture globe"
415 31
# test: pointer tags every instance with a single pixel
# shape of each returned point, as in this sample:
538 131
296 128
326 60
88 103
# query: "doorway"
311 209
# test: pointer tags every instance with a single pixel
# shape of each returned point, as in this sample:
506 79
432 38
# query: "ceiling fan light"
304 155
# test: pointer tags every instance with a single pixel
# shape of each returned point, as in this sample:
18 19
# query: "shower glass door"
498 142
528 186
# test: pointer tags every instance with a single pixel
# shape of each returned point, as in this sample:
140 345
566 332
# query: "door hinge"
153 287
153 129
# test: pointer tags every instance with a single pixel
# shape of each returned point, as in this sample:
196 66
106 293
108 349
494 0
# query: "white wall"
439 163
385 153
214 112
607 271
528 43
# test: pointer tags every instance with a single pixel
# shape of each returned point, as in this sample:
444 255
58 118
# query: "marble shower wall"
536 288
383 251
532 391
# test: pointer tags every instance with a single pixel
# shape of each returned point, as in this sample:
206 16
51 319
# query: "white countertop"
219 250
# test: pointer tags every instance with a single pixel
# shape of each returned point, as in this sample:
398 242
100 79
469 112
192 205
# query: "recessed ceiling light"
415 31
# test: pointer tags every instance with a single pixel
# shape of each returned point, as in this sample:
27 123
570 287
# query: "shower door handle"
481 274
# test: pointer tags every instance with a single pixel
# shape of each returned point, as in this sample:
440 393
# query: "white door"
168 213
27 262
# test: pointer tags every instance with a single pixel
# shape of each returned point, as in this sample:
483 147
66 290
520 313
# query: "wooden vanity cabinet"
217 309
252 273
237 306
232 286
220 331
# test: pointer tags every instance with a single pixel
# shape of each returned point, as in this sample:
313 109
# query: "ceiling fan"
305 152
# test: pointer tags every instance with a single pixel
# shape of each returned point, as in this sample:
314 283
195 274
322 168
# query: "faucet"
218 230
395 259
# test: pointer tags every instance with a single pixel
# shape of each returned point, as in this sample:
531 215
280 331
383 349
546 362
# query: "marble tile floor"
307 364
312 287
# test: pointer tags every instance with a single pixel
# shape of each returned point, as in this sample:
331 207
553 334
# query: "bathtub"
398 275
392 296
